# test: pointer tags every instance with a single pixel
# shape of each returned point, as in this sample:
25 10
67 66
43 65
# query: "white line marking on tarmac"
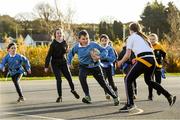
34 116
139 112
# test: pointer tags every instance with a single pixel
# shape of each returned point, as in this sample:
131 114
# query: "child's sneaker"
75 94
59 99
127 108
86 99
159 93
116 101
171 100
21 99
150 98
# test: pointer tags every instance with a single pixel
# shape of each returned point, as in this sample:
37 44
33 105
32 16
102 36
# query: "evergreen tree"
154 19
118 29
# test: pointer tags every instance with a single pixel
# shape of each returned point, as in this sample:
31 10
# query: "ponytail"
136 28
145 38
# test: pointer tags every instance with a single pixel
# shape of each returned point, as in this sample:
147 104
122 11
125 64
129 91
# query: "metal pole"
124 32
16 31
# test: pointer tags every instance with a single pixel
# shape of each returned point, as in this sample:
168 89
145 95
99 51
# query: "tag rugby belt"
138 58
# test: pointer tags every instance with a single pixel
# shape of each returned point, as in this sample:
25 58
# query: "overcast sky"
86 11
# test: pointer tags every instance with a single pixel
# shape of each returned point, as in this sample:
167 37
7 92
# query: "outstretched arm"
125 57
70 56
27 64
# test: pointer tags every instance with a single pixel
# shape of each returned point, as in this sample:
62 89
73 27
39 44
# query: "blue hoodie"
111 57
83 53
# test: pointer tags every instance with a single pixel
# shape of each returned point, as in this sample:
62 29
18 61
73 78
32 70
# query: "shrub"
36 56
173 56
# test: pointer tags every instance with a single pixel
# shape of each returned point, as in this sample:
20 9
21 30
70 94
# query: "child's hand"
29 71
95 57
133 61
119 63
45 70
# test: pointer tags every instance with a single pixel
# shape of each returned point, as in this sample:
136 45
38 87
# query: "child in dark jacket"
126 66
160 55
56 55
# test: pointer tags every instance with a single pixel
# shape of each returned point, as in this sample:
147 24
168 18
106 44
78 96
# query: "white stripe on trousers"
125 81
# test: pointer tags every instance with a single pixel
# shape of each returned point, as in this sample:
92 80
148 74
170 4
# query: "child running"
15 64
160 55
142 48
89 63
107 64
126 66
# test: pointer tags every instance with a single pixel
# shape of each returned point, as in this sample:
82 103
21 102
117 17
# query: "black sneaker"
75 94
150 98
86 99
59 99
171 100
127 108
21 99
134 97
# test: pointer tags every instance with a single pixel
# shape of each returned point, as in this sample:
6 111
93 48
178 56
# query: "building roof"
28 39
41 37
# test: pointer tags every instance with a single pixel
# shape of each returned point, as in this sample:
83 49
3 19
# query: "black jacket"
122 53
56 53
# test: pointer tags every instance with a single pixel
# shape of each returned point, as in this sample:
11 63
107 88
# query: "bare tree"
53 17
65 20
24 23
46 13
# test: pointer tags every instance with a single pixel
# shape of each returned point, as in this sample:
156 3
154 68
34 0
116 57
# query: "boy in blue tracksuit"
89 63
107 63
14 62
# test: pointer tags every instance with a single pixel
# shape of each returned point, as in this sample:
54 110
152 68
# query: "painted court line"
136 113
33 116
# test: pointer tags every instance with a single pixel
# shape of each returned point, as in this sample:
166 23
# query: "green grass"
75 77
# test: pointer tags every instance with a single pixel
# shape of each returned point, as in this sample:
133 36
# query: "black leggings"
137 69
98 75
16 78
58 69
108 75
157 76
